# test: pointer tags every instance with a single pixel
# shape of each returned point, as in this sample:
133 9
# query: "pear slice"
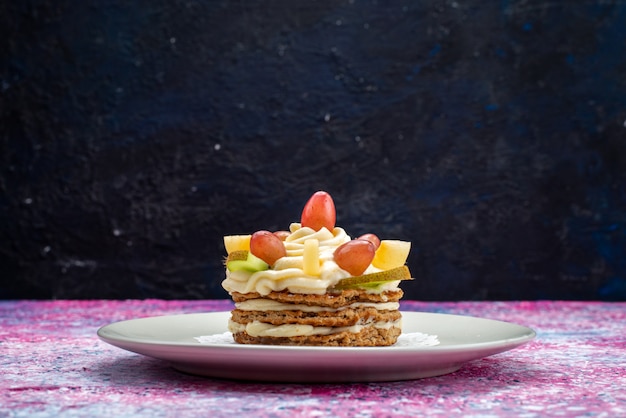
245 260
375 279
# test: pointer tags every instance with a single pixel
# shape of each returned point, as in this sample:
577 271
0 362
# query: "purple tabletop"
54 365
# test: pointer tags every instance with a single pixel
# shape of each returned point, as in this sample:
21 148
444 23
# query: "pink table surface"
53 364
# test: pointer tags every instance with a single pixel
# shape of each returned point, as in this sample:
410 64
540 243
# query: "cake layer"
272 305
367 336
333 300
342 318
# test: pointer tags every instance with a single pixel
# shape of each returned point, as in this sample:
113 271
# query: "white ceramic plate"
174 338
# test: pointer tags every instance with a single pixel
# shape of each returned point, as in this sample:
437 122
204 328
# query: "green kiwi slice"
373 280
245 260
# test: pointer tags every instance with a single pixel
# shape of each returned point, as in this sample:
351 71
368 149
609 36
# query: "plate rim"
528 336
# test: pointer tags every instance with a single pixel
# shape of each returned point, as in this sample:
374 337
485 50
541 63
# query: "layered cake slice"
314 285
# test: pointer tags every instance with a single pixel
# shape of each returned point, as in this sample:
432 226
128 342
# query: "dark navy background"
134 135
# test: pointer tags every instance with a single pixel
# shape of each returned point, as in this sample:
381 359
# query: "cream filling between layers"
261 329
272 305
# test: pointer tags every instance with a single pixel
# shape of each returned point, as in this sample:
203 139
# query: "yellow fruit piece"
237 243
311 257
391 254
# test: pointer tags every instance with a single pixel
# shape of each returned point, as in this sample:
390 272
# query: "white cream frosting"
287 272
261 329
